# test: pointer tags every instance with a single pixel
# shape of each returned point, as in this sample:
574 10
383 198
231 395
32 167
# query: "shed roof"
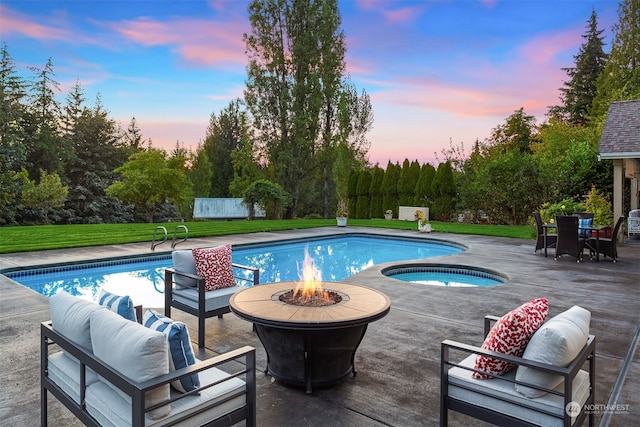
621 134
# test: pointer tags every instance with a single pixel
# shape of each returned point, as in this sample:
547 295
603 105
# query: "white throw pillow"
557 343
135 351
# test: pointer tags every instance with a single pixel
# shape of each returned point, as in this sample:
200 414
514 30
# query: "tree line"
297 141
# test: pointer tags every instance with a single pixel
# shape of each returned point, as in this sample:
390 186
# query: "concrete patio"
398 361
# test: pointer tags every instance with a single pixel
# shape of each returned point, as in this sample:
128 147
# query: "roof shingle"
621 134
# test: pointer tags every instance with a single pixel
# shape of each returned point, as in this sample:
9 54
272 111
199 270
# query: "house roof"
621 134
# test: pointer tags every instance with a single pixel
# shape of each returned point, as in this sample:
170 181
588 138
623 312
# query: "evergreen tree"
224 135
45 145
352 192
620 79
97 152
407 182
578 93
133 136
423 190
364 200
390 187
376 208
444 192
12 118
200 173
518 133
246 165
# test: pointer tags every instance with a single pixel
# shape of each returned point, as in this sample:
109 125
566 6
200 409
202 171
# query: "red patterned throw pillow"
510 335
214 266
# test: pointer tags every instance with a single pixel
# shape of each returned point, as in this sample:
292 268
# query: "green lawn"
42 237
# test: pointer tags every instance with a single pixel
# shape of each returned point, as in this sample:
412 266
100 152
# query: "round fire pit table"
307 345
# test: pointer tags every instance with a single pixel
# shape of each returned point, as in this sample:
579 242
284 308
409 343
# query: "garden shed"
620 142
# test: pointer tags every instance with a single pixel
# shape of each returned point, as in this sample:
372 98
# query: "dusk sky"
437 71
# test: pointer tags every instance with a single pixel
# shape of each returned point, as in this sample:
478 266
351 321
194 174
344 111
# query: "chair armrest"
255 271
175 272
138 309
488 323
169 272
569 372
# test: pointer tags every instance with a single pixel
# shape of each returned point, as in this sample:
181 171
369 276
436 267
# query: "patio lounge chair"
551 238
525 396
606 246
569 242
633 223
185 290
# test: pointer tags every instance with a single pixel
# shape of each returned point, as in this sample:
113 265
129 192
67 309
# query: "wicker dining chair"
569 242
551 238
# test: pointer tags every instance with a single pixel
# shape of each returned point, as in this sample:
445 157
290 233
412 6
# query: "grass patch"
43 237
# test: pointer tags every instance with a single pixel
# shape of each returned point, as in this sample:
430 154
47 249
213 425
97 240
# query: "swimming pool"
142 278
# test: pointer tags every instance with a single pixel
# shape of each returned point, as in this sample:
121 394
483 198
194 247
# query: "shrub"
567 206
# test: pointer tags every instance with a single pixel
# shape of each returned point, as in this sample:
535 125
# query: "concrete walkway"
398 361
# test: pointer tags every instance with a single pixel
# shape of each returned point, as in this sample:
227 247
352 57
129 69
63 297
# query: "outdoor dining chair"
540 242
606 246
569 242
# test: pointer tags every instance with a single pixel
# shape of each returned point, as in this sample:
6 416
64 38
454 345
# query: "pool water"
143 278
450 276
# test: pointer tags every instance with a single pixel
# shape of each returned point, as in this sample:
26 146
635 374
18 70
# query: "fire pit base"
310 346
310 358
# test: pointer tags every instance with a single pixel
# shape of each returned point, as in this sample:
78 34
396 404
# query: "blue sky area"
437 71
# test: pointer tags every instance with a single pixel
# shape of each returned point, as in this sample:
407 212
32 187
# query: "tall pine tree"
578 93
620 79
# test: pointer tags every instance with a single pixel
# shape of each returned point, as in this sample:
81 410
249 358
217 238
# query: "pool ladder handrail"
175 234
155 232
186 235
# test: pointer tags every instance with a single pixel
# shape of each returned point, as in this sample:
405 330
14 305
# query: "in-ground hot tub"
310 345
449 275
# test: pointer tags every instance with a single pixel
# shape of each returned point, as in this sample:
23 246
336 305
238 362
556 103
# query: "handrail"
155 231
186 235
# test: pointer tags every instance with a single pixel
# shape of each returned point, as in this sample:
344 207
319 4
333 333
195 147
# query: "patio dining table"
588 230
598 231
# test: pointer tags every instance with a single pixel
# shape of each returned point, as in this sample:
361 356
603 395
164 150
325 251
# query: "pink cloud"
165 133
393 15
547 47
18 23
489 3
198 41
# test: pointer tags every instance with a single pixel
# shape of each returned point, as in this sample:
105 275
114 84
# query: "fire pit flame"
311 279
309 291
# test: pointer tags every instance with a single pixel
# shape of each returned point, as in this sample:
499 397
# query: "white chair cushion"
183 262
70 317
213 299
135 351
111 409
557 343
65 372
500 395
